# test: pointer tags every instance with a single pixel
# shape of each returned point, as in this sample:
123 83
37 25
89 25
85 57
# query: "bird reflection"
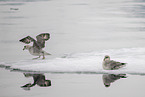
110 78
39 79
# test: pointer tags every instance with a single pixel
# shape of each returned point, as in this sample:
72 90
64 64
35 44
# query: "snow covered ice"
90 62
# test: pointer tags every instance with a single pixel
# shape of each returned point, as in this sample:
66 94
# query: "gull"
38 45
111 64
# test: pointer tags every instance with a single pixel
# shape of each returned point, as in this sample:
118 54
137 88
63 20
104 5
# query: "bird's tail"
119 65
122 75
123 63
45 53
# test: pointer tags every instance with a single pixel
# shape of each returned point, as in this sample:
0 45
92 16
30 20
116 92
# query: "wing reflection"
39 79
110 78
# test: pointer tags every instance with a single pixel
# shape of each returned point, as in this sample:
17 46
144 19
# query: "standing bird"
110 64
38 45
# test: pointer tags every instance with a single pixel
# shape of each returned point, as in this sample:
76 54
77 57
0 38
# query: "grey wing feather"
115 64
27 40
44 36
41 38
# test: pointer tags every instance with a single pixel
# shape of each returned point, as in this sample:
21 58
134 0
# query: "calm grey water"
75 26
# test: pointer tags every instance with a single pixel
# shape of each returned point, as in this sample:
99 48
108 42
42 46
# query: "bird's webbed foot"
43 57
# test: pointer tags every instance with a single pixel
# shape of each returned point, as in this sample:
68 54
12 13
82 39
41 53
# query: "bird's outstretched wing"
116 65
41 38
27 40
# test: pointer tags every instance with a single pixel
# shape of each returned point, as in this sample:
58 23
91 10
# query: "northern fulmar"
111 64
38 44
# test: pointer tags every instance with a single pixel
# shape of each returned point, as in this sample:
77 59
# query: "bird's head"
26 47
106 58
107 84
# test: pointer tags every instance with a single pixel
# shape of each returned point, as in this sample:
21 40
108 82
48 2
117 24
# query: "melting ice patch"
90 62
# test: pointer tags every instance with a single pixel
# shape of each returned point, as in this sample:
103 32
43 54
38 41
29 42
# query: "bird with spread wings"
38 44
